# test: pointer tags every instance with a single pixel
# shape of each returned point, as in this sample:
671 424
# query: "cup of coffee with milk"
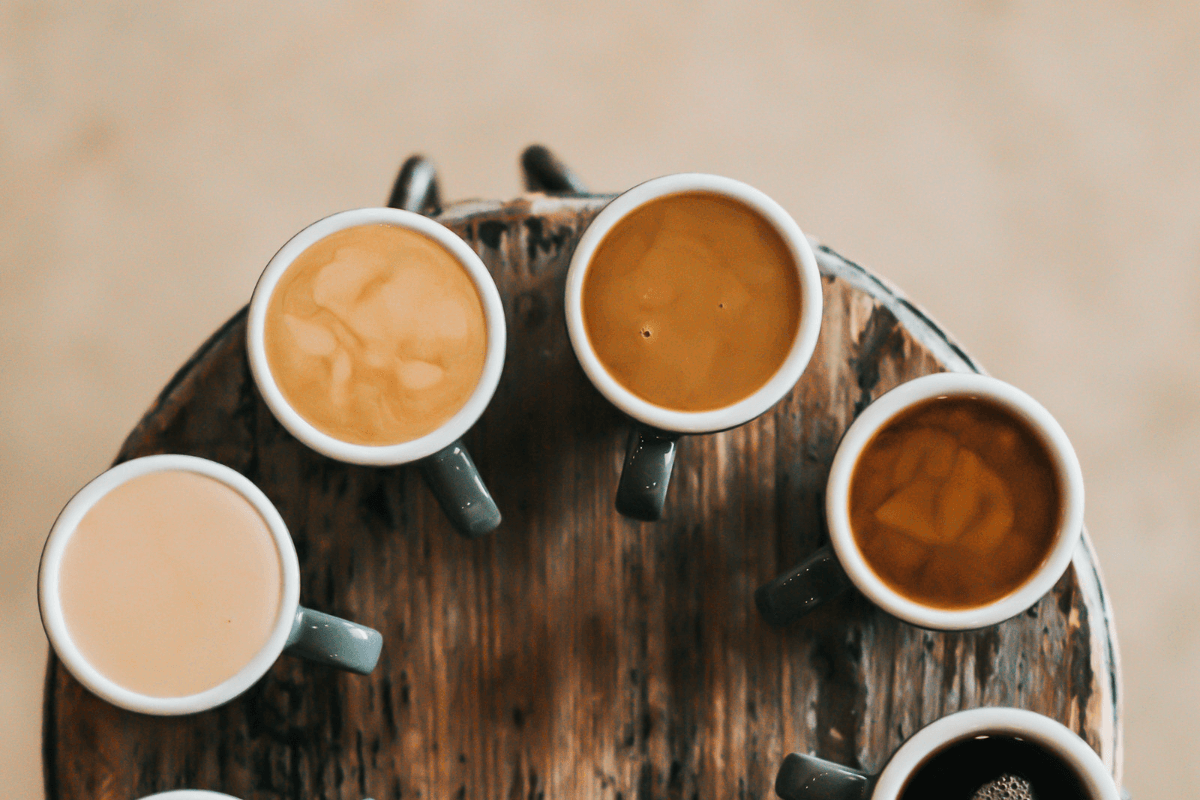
169 585
376 336
693 303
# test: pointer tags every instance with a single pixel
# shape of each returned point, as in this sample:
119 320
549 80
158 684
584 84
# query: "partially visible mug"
194 794
376 336
983 752
169 585
954 502
693 303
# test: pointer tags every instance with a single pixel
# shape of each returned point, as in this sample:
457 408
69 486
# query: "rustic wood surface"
573 653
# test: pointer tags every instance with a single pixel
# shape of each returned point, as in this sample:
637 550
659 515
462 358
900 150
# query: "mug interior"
794 362
402 452
881 412
51 607
1017 723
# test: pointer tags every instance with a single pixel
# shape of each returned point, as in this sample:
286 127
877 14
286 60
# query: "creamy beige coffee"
692 301
170 584
955 502
376 335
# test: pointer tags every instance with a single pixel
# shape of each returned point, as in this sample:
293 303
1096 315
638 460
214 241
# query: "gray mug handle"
334 641
455 482
804 777
649 457
802 588
450 472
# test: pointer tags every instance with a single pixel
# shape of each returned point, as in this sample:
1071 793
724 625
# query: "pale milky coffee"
170 584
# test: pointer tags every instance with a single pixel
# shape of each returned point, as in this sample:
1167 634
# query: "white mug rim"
189 794
402 452
1016 722
798 355
884 409
50 603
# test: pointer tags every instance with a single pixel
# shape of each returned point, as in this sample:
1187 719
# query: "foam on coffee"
376 335
995 766
692 301
170 584
955 502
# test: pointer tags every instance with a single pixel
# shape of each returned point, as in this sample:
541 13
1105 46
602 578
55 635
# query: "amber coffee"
692 301
955 502
376 335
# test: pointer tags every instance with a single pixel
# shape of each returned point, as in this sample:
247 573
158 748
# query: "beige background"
1029 172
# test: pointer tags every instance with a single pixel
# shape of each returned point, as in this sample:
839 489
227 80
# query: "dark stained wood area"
573 653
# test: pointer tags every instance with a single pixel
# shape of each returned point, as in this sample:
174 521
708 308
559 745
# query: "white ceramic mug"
651 452
194 794
805 777
297 630
824 574
440 455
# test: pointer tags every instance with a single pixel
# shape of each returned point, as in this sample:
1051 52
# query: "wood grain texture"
574 653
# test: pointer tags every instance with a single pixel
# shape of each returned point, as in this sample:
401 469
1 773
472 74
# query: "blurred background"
1028 172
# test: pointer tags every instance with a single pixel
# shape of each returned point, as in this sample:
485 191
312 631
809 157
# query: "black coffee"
981 765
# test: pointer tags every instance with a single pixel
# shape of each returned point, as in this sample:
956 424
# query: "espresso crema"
692 301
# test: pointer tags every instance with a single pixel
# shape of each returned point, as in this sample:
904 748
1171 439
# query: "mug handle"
333 641
801 589
452 477
804 777
450 473
649 457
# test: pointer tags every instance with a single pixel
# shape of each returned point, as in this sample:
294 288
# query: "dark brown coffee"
955 502
692 301
994 767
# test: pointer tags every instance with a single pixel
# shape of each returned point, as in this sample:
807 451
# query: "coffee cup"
376 336
693 304
954 502
194 794
169 585
979 753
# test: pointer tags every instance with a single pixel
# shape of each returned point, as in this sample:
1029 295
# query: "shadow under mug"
805 777
841 564
440 456
650 453
297 630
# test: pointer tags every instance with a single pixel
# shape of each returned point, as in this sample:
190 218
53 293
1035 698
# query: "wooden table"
574 653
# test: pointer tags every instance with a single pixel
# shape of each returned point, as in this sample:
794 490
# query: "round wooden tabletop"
574 653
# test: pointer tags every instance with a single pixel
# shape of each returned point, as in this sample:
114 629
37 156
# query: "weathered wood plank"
574 653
